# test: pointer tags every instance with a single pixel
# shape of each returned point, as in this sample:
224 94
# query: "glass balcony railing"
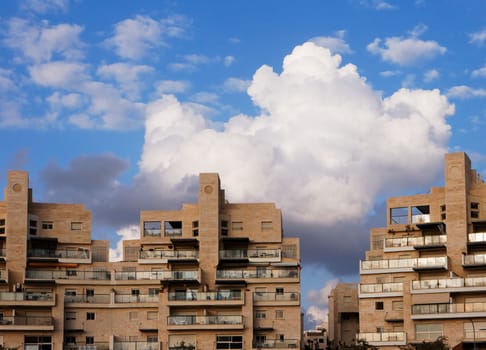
382 337
276 344
249 253
93 299
157 275
135 345
205 320
381 287
67 274
445 308
66 253
169 254
27 321
272 296
201 296
26 296
140 298
477 237
445 283
429 262
246 274
422 241
83 346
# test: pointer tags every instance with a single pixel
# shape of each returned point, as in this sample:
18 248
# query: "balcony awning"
39 238
185 241
432 226
286 264
235 239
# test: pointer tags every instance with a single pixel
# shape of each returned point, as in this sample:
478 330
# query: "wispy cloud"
465 92
479 73
171 86
431 75
334 43
44 6
236 84
478 38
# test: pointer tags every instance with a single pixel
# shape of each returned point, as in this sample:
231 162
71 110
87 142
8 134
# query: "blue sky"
324 107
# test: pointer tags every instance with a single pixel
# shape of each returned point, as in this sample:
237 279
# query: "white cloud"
205 97
181 67
44 6
6 80
236 84
125 233
480 72
228 60
465 92
317 313
125 74
171 86
390 73
431 75
196 59
406 51
321 124
378 4
133 37
334 43
478 38
59 101
58 74
42 42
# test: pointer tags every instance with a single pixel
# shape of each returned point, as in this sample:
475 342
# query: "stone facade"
212 275
343 317
425 273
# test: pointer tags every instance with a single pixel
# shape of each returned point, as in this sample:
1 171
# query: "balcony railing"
474 260
271 296
277 344
26 296
67 274
169 254
83 346
381 288
420 218
91 299
135 345
476 237
201 296
382 338
141 298
27 321
157 275
65 253
404 264
250 254
205 320
448 308
3 275
410 242
246 274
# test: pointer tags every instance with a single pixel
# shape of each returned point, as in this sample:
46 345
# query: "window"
420 214
70 315
397 305
76 226
133 315
33 227
70 339
279 291
397 279
260 314
260 339
152 339
380 329
347 299
47 225
237 225
380 280
289 251
70 292
173 228
38 342
195 228
90 292
152 315
379 305
428 331
229 342
89 340
279 314
377 243
71 273
151 228
281 337
90 316
153 291
399 216
474 205
136 292
224 227
2 226
266 225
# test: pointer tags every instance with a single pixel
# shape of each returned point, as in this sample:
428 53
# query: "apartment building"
212 275
424 275
343 316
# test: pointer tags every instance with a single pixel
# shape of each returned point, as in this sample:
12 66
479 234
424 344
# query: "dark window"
90 315
379 305
151 228
89 340
90 292
399 215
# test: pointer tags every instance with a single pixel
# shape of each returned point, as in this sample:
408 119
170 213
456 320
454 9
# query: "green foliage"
362 345
439 344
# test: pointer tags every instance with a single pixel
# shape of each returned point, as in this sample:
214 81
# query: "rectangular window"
237 225
173 228
135 292
428 331
152 315
2 226
289 251
70 339
377 243
279 314
397 305
76 226
47 225
266 225
224 227
89 340
279 291
90 316
260 314
379 305
90 292
195 228
33 227
70 292
474 205
260 339
229 342
133 315
152 339
151 228
70 315
399 215
71 273
420 214
153 291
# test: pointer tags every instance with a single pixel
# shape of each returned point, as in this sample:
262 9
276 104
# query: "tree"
439 344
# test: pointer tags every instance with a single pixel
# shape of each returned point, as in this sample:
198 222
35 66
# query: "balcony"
274 299
170 276
59 275
27 323
474 260
271 275
3 276
448 310
63 255
384 338
136 345
477 239
84 346
134 299
277 344
469 284
418 243
165 256
27 299
381 290
205 298
403 265
181 322
88 299
251 255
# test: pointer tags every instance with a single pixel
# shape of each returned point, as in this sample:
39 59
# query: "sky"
324 107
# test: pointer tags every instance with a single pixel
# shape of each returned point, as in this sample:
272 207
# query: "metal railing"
169 254
67 274
93 299
445 308
431 262
84 346
277 344
140 298
205 320
381 287
272 296
157 275
65 253
244 274
249 253
429 240
199 296
135 345
26 296
27 321
382 337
